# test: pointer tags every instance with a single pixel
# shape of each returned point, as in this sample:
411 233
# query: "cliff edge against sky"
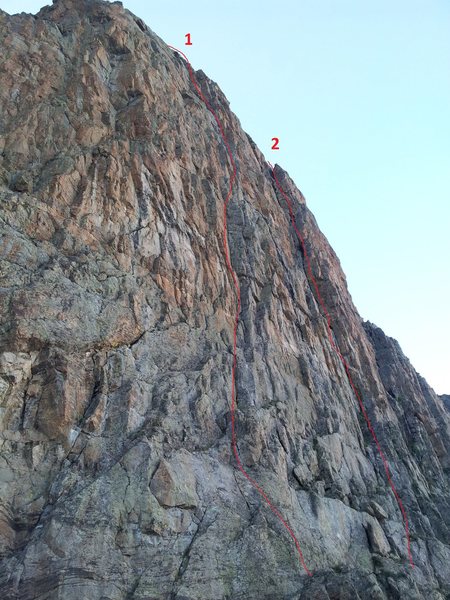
117 479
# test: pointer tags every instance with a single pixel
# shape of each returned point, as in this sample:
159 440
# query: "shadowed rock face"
117 480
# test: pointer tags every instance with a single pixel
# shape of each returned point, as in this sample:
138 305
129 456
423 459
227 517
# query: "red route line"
344 362
258 488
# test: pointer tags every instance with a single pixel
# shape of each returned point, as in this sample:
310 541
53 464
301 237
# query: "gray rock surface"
116 476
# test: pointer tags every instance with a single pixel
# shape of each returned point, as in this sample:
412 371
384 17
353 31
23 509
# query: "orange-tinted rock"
116 331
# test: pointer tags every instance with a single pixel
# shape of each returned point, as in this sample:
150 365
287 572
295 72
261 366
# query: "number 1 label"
188 40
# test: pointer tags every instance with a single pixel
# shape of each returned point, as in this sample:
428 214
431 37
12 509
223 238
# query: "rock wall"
116 476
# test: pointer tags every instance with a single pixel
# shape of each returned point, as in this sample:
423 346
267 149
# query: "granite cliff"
116 474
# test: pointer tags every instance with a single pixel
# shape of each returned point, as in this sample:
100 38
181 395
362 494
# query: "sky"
358 93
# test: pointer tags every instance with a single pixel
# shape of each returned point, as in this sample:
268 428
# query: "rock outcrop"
117 310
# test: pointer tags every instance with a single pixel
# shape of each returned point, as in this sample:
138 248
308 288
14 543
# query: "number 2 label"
275 145
188 40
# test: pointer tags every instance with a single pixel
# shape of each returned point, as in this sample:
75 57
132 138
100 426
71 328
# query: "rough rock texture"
117 480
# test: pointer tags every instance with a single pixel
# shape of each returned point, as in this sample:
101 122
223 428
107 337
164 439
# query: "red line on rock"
258 488
344 362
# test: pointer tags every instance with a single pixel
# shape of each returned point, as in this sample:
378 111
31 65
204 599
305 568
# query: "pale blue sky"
359 94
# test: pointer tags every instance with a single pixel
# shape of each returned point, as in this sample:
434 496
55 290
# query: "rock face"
117 310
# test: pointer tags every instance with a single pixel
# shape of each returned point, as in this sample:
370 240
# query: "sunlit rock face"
116 476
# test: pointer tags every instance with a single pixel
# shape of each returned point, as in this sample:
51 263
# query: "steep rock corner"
116 475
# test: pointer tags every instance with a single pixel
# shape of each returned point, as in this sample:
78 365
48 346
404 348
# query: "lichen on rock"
116 328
